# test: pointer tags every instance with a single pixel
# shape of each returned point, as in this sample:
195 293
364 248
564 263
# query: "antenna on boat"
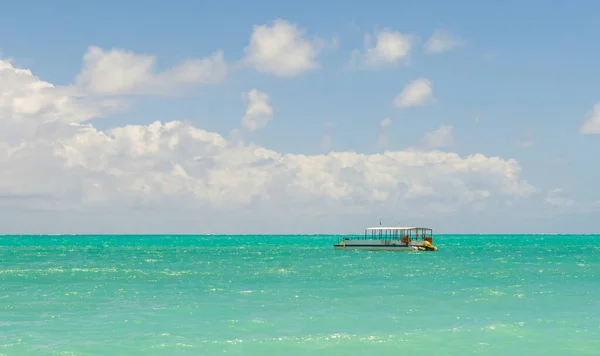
379 221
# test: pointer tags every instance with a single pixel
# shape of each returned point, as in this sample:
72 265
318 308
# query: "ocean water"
295 295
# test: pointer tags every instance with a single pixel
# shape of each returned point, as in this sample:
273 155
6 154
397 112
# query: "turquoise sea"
295 295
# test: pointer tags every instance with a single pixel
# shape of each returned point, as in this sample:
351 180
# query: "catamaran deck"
391 239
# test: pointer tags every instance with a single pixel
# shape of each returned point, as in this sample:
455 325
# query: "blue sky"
525 72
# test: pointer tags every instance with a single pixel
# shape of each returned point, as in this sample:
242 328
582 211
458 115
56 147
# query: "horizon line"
272 234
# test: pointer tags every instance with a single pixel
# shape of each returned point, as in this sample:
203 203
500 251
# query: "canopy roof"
398 228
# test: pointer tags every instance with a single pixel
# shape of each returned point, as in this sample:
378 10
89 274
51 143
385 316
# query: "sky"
299 117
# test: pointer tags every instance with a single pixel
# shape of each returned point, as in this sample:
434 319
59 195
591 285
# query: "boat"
391 239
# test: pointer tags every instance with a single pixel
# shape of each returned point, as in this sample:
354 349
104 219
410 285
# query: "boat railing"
401 234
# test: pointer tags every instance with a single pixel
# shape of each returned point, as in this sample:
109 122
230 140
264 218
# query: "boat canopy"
398 228
396 232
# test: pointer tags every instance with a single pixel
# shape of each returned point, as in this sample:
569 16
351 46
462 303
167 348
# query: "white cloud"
118 71
591 125
28 105
282 50
443 136
416 93
259 112
388 47
442 41
172 166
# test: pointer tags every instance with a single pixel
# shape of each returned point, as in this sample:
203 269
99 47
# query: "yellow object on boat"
428 245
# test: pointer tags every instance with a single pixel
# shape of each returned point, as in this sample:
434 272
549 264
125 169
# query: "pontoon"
391 239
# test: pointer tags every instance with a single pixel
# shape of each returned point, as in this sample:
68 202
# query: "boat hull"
376 248
384 245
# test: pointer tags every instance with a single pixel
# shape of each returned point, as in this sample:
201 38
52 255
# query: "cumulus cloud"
442 41
591 124
67 164
442 136
118 71
386 47
259 112
29 106
416 93
282 49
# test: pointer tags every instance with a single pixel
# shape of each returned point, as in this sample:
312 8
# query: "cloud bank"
48 150
54 160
